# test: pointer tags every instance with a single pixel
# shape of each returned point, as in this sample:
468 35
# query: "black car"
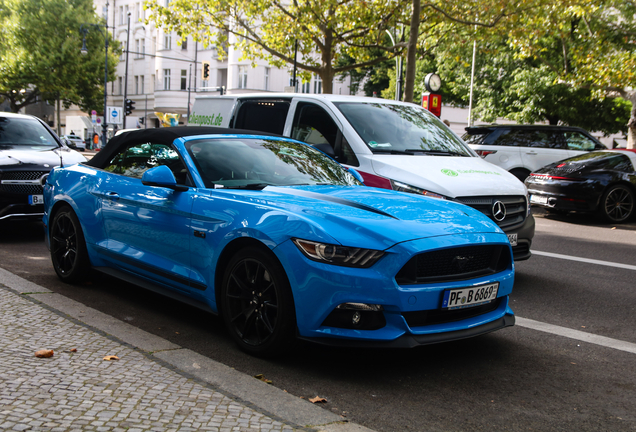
602 181
29 149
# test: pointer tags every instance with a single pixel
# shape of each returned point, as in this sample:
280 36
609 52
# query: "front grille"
516 208
33 187
454 264
441 316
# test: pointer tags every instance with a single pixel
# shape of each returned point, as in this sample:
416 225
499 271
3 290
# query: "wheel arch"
226 255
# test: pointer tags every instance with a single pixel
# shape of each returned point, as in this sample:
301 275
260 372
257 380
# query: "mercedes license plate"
512 238
538 199
36 199
467 297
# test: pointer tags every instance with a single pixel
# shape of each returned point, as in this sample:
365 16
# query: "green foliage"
326 31
40 53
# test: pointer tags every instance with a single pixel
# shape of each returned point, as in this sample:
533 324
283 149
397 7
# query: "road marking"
576 334
585 260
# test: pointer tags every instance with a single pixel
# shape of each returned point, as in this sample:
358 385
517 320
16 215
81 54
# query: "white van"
393 145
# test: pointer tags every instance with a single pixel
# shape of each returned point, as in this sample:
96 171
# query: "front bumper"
319 288
525 233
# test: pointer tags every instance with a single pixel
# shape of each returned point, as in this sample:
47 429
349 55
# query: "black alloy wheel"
257 304
617 204
68 247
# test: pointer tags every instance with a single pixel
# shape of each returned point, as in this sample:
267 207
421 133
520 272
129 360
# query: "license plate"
467 297
538 199
512 238
36 199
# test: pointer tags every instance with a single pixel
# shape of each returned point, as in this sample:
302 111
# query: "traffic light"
205 70
141 120
130 106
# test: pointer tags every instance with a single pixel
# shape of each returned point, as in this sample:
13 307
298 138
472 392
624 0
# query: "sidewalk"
154 386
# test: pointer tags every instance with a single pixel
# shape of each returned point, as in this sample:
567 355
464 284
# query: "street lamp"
84 51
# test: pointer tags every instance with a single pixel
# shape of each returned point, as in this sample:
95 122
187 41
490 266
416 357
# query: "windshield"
256 163
402 129
16 131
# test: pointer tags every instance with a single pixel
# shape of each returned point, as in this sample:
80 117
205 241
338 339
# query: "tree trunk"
411 52
631 125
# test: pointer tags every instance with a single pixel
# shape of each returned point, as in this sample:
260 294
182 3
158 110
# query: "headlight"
403 187
338 255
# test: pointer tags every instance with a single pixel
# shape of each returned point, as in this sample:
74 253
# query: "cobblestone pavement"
80 391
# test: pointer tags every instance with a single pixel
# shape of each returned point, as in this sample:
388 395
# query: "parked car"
522 149
29 149
74 142
280 240
393 145
602 181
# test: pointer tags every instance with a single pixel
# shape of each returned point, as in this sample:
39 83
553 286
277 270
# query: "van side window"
262 115
313 125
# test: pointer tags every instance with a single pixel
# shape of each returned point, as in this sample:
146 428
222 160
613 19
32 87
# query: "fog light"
355 319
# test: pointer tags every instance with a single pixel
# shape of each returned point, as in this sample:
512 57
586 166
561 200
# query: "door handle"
532 153
112 195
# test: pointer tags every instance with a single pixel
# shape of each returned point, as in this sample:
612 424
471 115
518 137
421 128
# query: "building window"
266 79
305 87
136 84
137 48
120 86
122 46
137 12
167 41
141 84
184 79
317 85
242 76
166 79
184 44
121 15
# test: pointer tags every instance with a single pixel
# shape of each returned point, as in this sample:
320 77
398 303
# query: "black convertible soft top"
159 136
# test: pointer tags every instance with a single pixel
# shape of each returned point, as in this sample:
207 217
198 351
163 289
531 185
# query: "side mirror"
356 174
161 176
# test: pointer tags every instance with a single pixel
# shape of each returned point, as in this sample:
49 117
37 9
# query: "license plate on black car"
467 297
36 199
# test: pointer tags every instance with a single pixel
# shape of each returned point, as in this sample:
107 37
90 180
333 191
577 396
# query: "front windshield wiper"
436 152
406 152
251 186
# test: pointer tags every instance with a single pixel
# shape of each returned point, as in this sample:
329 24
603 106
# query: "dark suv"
522 149
29 150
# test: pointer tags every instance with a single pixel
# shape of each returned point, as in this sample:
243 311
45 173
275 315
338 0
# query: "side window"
313 125
137 159
578 141
507 137
262 115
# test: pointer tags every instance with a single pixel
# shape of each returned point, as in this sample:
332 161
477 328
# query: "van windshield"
402 129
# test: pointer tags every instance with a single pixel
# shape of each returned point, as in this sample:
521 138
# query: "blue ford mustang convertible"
278 239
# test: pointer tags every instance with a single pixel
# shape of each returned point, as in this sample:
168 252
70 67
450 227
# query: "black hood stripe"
324 197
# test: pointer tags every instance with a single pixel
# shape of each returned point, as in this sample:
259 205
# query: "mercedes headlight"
338 255
403 187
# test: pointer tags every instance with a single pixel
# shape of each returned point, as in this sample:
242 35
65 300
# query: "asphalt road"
516 379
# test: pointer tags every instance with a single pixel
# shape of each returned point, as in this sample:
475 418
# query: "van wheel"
520 173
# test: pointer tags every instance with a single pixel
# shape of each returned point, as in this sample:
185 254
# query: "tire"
68 247
617 204
520 173
257 305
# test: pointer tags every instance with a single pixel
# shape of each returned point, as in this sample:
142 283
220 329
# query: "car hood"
451 176
47 157
373 218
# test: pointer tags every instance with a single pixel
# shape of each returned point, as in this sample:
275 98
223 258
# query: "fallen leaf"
73 350
317 399
262 378
582 326
44 353
614 228
572 363
111 357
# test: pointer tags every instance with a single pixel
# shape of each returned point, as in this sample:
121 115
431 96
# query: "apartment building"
164 73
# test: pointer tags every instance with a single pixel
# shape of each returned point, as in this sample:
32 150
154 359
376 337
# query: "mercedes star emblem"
499 211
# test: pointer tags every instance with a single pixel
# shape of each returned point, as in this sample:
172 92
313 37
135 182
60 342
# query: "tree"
40 54
325 30
585 44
